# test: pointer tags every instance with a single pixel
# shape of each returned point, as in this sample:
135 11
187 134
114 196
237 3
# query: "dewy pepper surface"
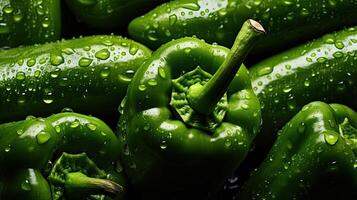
172 147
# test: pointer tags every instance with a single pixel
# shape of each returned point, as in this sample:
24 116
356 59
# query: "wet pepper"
110 14
26 22
314 157
64 156
287 21
183 131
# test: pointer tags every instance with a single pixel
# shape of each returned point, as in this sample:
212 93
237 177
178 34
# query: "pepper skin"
110 14
322 70
27 22
30 147
89 75
313 158
217 21
171 149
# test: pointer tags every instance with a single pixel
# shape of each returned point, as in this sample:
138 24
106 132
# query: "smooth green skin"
58 80
24 149
27 22
321 70
161 155
304 163
26 184
218 21
110 14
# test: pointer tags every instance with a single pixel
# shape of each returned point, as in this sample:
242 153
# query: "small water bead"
8 9
68 51
162 72
304 12
338 54
56 60
105 72
57 129
31 62
107 42
91 127
20 131
152 82
43 137
26 186
264 71
133 49
339 45
163 145
331 137
102 54
75 124
307 83
142 87
172 19
85 62
20 76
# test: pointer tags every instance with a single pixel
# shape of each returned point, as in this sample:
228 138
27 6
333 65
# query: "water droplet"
133 49
162 72
127 76
31 62
172 19
338 54
163 145
339 45
107 42
287 89
68 51
8 149
321 59
105 72
48 100
152 82
304 12
57 129
227 143
43 137
307 83
20 132
18 17
102 54
20 76
75 124
66 109
191 6
8 9
26 185
142 87
56 60
264 71
331 137
85 62
91 127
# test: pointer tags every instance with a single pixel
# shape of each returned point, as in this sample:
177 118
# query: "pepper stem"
203 99
78 184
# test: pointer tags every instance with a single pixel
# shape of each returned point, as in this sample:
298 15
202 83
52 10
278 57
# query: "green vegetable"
89 75
30 148
313 158
322 70
110 14
287 21
26 22
171 143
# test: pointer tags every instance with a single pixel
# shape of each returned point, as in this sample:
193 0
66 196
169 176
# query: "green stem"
203 99
78 185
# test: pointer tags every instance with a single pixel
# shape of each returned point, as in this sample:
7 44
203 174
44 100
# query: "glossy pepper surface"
110 14
172 143
89 75
26 22
287 22
64 156
322 70
314 157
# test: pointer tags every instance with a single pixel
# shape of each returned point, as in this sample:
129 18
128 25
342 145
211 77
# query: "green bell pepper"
313 158
177 134
110 14
80 74
322 70
26 22
287 21
33 164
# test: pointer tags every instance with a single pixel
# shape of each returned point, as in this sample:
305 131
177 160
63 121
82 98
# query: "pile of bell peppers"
181 99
